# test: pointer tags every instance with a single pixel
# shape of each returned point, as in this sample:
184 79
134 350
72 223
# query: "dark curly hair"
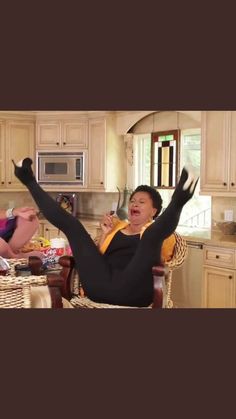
154 195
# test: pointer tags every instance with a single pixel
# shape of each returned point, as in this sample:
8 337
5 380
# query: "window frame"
177 135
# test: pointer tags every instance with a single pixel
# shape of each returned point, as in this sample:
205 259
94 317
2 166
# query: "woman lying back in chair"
122 272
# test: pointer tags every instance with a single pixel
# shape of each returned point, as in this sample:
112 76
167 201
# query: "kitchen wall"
91 205
15 199
95 204
149 121
219 205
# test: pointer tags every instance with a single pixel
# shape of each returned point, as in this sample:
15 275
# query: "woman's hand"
28 213
107 223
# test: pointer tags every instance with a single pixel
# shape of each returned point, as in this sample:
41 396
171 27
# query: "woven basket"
13 262
15 291
227 227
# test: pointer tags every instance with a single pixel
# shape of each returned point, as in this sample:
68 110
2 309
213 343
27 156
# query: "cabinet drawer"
216 256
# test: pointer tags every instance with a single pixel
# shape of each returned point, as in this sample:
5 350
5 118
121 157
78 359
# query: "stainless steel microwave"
61 168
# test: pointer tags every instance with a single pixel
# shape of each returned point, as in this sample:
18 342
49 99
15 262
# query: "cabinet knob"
101 183
217 256
9 183
232 183
57 143
2 183
230 276
64 143
224 184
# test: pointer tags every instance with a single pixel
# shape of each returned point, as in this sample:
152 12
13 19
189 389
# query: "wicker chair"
162 281
64 288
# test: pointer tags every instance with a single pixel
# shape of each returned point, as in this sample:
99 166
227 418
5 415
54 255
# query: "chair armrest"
159 273
59 283
55 286
67 263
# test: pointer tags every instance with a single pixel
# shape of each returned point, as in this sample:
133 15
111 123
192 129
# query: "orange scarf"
167 246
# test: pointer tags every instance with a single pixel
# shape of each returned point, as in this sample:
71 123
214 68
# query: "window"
164 159
197 212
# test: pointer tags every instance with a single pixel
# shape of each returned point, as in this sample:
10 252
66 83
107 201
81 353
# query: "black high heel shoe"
185 187
23 170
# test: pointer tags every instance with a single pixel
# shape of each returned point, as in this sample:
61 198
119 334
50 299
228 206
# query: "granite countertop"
207 236
86 219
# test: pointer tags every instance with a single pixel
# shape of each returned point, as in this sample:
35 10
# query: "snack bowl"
227 227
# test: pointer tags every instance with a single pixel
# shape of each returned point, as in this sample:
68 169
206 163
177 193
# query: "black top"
121 249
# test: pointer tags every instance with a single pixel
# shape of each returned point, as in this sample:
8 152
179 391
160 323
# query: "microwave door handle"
81 168
78 169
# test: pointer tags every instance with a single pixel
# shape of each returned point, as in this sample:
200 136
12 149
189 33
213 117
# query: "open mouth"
135 212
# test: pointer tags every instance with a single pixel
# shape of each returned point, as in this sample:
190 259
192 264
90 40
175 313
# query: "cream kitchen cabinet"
16 142
218 153
92 228
48 230
61 134
106 156
219 277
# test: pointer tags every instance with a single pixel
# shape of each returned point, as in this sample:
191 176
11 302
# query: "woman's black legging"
99 283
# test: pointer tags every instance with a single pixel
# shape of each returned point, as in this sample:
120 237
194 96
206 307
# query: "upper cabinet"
105 165
16 142
96 157
61 133
106 155
218 154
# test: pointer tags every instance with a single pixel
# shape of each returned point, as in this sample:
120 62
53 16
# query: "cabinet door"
2 156
232 160
40 230
52 232
96 160
75 134
92 229
218 288
19 144
48 134
215 151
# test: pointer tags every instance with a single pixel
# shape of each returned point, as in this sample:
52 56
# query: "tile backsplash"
91 204
95 204
219 205
15 199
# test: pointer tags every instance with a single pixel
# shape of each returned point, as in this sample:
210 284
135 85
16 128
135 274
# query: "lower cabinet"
49 231
92 228
218 288
219 275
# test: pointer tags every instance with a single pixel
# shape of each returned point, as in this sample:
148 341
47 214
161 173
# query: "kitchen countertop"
87 220
207 236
